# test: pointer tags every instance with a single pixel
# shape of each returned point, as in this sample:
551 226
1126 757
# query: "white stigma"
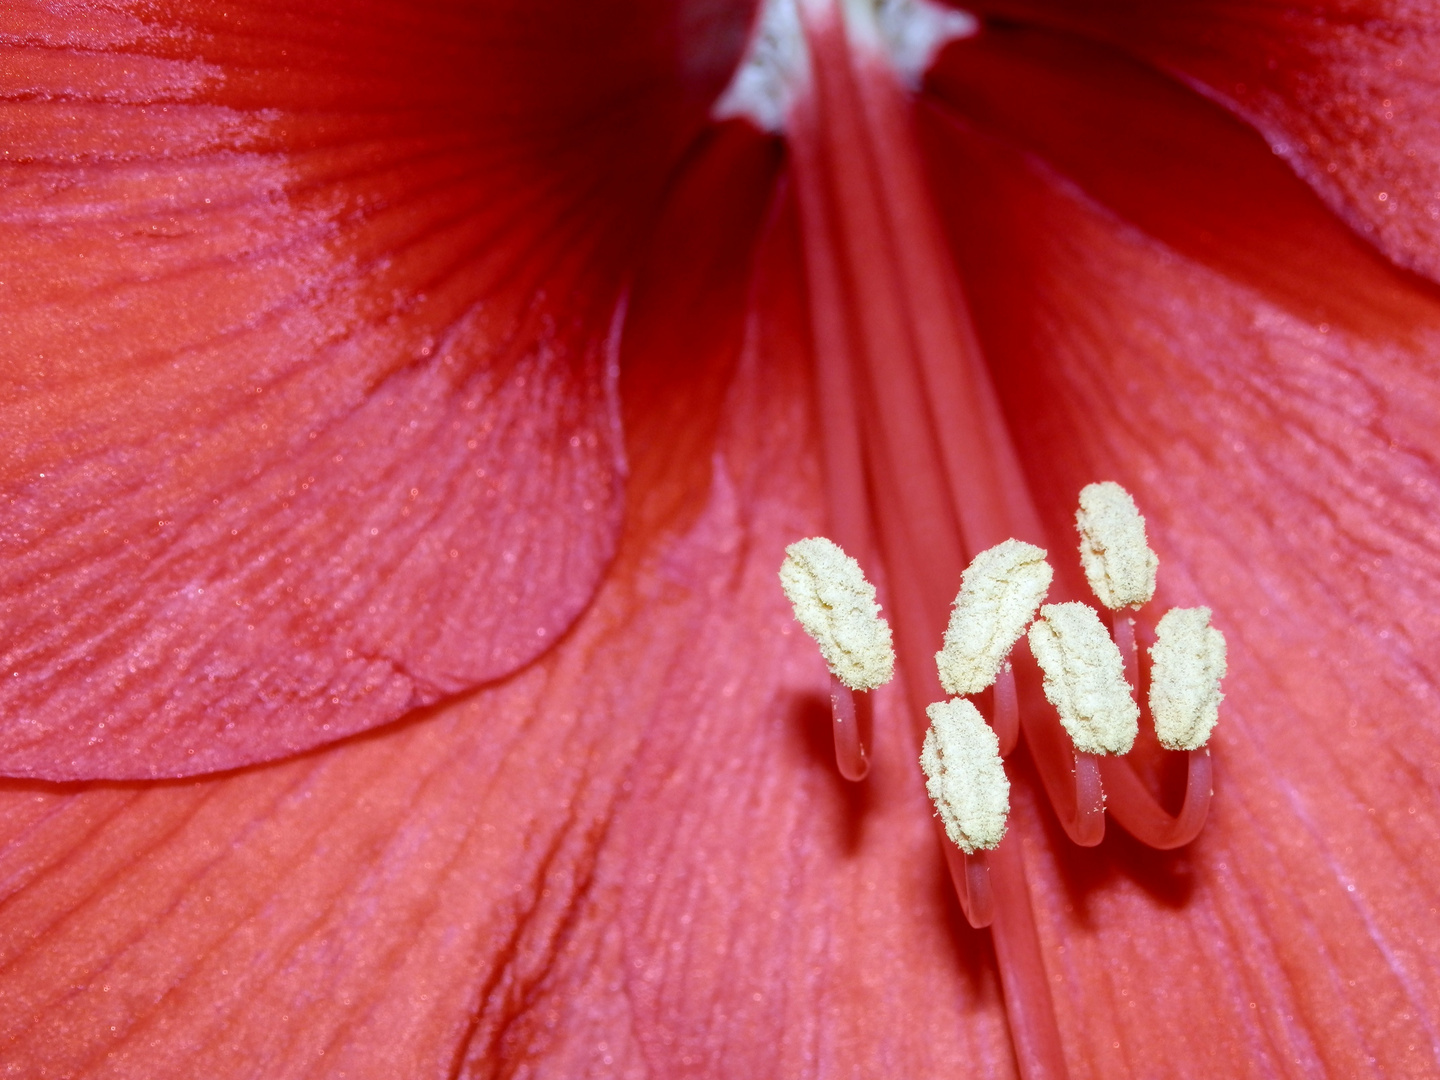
914 31
836 606
999 593
1117 558
776 67
965 776
1189 662
1085 678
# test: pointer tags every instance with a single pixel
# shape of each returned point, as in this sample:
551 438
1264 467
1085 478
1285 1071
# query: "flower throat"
922 478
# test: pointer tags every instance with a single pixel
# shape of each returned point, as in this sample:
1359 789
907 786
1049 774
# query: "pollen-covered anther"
1116 556
1189 662
1085 678
999 592
965 776
836 606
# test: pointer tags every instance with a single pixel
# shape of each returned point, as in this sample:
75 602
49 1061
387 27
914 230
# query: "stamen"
966 781
918 457
1138 812
999 593
1122 629
1189 662
1085 678
836 606
1072 779
850 756
1117 559
965 776
970 878
1005 710
1029 1007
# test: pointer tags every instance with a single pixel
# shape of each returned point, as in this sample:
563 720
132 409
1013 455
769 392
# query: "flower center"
776 68
922 477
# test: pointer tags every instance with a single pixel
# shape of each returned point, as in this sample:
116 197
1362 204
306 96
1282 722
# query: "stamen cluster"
1084 671
1001 596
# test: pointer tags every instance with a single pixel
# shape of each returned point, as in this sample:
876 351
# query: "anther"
1117 558
965 776
1189 662
836 606
999 592
1085 678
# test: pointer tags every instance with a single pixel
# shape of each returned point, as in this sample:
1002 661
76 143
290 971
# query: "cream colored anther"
964 775
999 593
836 606
1189 662
1085 678
1117 558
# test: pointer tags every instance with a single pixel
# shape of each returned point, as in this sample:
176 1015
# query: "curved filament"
1029 1008
970 875
850 756
1141 815
1072 780
1005 711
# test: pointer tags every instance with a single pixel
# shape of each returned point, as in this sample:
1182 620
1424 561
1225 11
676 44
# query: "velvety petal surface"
1263 384
634 858
309 393
1346 92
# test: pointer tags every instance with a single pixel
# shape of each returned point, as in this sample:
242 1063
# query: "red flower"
313 426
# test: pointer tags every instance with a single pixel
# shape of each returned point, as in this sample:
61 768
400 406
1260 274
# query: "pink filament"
970 876
1141 815
1028 1005
1134 808
1071 779
1005 711
1122 628
850 756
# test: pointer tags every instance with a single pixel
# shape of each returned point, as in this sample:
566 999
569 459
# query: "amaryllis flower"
406 409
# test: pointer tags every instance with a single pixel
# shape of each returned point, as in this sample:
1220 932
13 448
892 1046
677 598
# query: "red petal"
1342 90
310 415
481 879
1166 160
635 855
1287 469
